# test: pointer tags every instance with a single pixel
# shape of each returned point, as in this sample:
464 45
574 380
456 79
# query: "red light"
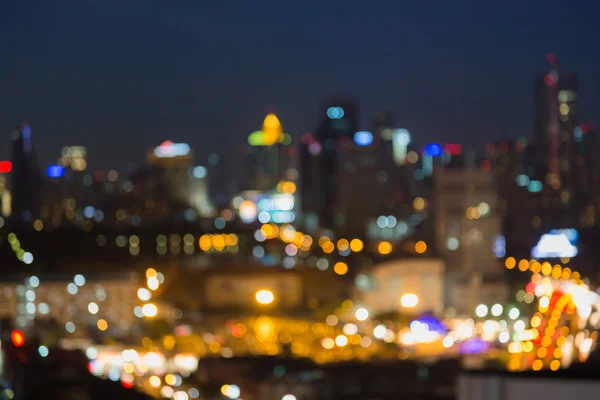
490 148
548 79
5 166
127 385
307 138
551 58
17 338
486 165
584 128
504 147
453 149
166 143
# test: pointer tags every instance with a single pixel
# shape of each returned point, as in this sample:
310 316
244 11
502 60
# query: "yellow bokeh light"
328 247
343 244
523 265
537 365
128 367
510 262
169 342
218 242
170 379
102 324
418 204
356 245
546 268
340 268
38 225
555 365
421 247
205 242
150 272
384 248
535 321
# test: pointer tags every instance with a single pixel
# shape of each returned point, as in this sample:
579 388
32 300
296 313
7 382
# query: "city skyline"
434 79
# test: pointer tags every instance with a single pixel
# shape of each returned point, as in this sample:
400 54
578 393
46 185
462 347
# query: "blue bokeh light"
434 150
363 138
55 171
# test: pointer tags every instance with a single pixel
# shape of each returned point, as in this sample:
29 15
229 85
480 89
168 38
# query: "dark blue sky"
119 76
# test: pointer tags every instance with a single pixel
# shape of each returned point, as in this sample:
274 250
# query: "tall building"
556 119
26 181
320 157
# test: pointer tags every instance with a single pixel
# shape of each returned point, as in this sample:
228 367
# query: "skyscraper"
556 119
26 181
320 158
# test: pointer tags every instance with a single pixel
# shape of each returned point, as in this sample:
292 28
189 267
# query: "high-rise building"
556 119
320 160
26 181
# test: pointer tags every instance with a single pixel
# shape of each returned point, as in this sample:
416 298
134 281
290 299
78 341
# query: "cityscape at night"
165 236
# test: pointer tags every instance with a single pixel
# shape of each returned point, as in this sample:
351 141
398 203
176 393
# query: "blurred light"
43 351
169 149
149 310
264 296
27 258
534 186
79 280
384 248
70 327
5 167
93 308
288 397
434 150
340 268
356 245
513 313
55 171
497 310
341 340
379 331
361 314
72 288
144 294
335 112
102 324
363 138
420 247
18 338
481 310
153 283
409 300
199 172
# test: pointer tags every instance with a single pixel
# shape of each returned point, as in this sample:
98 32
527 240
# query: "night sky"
119 76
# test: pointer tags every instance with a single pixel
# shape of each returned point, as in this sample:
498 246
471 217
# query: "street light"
264 296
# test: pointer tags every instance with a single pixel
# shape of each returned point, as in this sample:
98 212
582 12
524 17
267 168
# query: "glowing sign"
335 112
169 149
363 138
55 171
556 244
434 150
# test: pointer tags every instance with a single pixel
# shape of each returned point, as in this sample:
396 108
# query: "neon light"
169 149
363 138
554 245
55 171
434 150
474 346
5 167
